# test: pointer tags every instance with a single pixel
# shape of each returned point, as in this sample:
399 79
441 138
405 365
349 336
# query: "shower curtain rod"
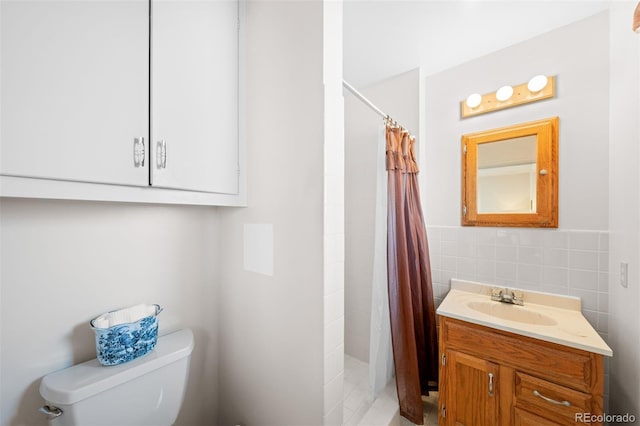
370 104
363 99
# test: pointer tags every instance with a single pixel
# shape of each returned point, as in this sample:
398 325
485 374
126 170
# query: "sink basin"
511 313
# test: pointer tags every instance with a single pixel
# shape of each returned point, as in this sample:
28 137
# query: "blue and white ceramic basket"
126 334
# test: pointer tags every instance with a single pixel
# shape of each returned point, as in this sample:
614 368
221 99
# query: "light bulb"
474 100
537 83
504 93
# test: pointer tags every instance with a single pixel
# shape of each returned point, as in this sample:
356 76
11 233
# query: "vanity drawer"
567 366
525 418
549 399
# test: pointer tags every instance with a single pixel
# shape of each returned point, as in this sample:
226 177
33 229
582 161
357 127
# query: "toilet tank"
146 391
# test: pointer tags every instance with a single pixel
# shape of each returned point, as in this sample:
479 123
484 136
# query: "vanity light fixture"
538 88
636 19
504 93
473 101
537 83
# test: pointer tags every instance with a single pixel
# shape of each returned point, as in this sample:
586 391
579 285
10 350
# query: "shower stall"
398 96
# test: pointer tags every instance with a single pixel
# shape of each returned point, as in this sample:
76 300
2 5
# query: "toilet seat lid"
89 378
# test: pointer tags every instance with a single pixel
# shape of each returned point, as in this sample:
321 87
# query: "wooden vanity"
491 374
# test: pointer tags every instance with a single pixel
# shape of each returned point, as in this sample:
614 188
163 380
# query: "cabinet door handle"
138 152
161 154
552 401
490 384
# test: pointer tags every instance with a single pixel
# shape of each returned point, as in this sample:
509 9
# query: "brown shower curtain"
411 306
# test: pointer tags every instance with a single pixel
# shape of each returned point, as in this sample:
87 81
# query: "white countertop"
549 317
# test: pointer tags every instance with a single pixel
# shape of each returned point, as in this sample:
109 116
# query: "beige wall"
272 342
581 102
573 259
271 355
597 62
624 210
65 262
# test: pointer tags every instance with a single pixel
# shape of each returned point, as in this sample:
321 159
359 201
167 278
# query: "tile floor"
360 410
430 407
356 400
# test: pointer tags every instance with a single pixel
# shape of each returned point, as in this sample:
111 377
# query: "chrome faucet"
514 297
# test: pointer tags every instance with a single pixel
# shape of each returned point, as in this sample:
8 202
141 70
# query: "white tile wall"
564 262
333 201
574 263
333 284
333 291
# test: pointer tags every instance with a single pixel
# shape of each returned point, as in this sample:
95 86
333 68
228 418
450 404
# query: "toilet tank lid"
81 381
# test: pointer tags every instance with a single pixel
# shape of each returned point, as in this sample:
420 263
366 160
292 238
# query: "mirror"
506 176
510 176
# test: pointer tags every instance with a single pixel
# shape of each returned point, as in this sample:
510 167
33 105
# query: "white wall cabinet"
74 89
82 80
194 96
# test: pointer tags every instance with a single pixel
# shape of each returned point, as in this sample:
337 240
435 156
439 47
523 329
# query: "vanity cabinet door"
471 395
535 382
194 96
74 84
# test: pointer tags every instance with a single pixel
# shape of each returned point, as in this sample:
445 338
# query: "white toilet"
146 391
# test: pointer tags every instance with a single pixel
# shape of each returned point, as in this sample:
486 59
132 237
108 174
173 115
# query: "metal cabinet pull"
490 384
161 154
552 401
138 152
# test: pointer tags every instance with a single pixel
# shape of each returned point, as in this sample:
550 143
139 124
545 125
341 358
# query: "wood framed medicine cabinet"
510 176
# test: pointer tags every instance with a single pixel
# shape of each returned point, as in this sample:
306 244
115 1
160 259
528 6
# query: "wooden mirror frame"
546 132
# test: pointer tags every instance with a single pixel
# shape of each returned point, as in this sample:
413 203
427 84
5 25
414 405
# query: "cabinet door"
194 96
75 92
471 397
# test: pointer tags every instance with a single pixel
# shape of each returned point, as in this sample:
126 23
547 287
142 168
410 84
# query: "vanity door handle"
552 401
490 384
